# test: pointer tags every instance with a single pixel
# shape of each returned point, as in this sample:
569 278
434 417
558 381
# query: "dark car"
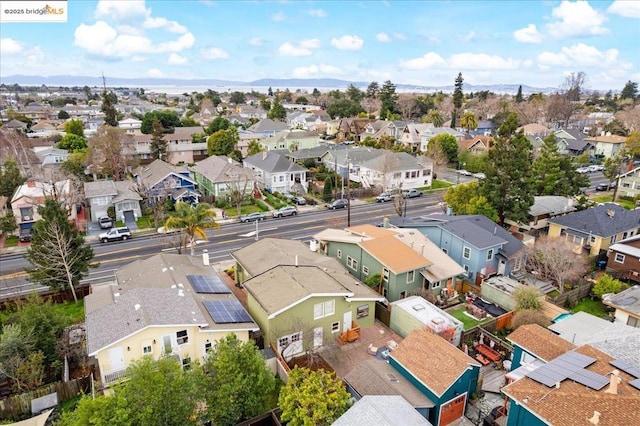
301 201
338 204
25 235
605 186
252 217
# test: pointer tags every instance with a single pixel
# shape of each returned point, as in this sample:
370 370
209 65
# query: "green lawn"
468 321
11 241
72 309
607 199
593 307
438 184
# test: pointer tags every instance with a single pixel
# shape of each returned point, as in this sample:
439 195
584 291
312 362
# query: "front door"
502 266
317 337
452 410
346 321
116 359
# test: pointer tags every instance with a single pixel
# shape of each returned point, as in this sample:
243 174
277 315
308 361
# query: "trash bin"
601 264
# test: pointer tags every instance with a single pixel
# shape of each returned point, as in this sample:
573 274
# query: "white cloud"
171 26
10 46
278 16
347 42
154 72
305 72
330 69
138 58
528 34
575 20
35 58
583 55
185 41
121 10
214 53
626 8
310 43
256 41
383 37
317 13
551 59
175 59
429 60
467 37
432 40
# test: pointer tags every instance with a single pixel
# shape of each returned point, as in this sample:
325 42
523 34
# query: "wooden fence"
571 297
383 314
19 405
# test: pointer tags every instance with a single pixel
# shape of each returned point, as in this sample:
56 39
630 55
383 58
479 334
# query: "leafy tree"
447 143
75 164
188 122
616 127
73 143
158 145
218 123
10 179
18 361
74 127
316 94
169 120
344 108
571 182
519 97
8 223
355 94
630 91
553 259
277 111
469 121
632 143
611 168
467 199
254 148
301 100
194 220
327 190
509 184
529 316
435 117
265 104
63 115
110 151
57 252
223 142
238 375
388 99
527 297
237 98
607 284
108 107
313 398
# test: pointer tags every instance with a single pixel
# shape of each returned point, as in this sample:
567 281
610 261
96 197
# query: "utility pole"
348 193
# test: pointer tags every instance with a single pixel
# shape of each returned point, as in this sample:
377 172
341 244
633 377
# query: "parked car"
285 211
605 186
384 197
25 235
165 230
599 167
582 170
299 201
115 234
479 175
464 172
252 217
592 168
412 193
105 222
340 203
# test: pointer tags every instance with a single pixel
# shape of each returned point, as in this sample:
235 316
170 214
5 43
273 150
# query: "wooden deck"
493 379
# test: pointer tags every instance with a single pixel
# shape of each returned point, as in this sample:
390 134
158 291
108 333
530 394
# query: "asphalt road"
220 242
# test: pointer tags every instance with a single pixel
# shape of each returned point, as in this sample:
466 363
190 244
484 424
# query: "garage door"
452 410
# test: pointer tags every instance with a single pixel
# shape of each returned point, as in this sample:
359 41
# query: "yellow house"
168 304
596 228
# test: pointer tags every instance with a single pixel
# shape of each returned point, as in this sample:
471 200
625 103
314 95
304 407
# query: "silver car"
285 211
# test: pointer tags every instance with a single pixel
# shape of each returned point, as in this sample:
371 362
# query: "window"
352 263
619 258
466 252
324 309
335 327
365 270
182 337
403 294
146 350
385 275
186 363
436 284
593 239
207 347
283 342
466 270
633 321
281 178
411 275
339 254
490 254
385 292
363 311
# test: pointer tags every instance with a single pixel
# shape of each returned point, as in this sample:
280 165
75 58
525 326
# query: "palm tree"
194 219
253 148
435 117
469 121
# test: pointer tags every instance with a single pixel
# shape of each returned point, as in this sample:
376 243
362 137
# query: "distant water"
178 90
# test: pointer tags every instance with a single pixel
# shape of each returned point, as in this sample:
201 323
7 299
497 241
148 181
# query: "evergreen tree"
109 100
546 168
277 111
509 184
630 91
519 97
373 90
10 179
158 145
327 189
388 99
57 252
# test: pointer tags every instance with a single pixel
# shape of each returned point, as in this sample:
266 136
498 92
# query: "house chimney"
264 154
205 257
614 380
595 419
296 260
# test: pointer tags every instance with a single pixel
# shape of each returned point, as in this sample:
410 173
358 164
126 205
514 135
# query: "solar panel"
589 379
626 367
569 365
227 311
208 284
635 383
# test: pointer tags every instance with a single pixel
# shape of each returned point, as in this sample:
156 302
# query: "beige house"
168 304
629 183
31 195
607 145
180 149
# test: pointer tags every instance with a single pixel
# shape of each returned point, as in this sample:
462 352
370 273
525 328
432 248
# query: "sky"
535 43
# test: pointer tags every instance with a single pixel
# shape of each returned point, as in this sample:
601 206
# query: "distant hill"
275 83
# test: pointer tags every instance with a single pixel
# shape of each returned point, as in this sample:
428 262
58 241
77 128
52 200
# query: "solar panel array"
570 365
208 284
227 311
629 369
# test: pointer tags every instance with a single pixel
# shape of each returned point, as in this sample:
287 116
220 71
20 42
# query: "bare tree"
554 259
238 181
307 341
16 145
153 199
407 106
573 85
111 152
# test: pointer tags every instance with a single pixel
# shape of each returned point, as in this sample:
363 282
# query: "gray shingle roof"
604 221
126 191
381 410
273 163
220 169
392 161
268 125
101 188
153 173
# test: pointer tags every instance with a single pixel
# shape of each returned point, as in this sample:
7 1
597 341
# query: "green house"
220 176
407 262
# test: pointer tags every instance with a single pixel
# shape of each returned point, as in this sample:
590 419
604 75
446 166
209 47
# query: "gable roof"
381 410
432 360
573 404
603 220
628 300
612 139
221 169
551 204
272 162
540 342
156 171
392 162
101 188
267 125
126 191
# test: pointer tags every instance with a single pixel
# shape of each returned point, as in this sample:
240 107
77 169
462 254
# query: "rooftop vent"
595 419
418 307
611 213
137 306
615 380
